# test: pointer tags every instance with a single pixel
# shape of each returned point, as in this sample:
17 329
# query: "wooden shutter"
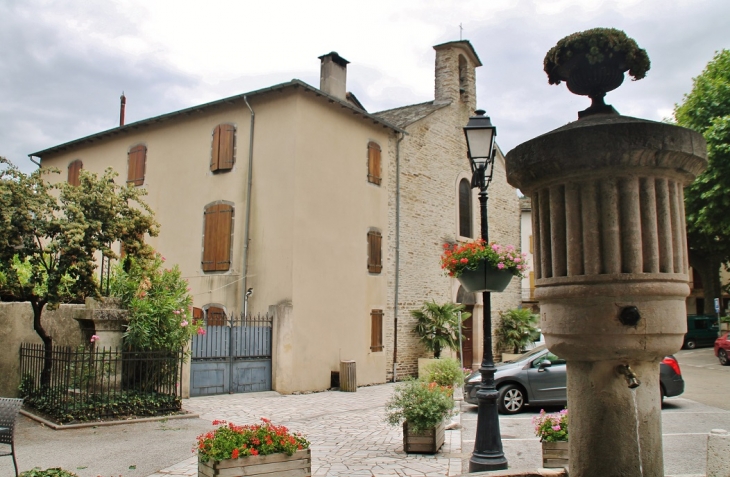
374 163
222 154
198 315
375 262
376 330
216 316
217 238
226 148
465 208
136 164
74 170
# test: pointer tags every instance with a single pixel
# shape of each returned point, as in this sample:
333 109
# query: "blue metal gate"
233 356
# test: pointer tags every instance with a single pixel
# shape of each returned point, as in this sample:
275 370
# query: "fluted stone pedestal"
611 274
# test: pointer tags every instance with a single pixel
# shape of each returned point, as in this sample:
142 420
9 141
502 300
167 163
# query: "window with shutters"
136 163
374 163
215 315
198 316
74 171
375 260
465 213
223 151
376 330
217 240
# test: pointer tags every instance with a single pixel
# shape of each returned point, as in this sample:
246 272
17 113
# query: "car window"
554 360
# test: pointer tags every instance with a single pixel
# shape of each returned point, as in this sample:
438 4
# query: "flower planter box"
555 455
485 278
298 464
423 442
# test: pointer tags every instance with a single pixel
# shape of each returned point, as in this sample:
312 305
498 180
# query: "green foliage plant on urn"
437 326
517 329
593 62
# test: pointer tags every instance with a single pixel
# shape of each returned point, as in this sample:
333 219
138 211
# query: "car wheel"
722 356
690 344
511 399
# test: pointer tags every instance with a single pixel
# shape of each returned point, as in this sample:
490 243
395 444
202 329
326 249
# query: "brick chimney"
122 107
333 75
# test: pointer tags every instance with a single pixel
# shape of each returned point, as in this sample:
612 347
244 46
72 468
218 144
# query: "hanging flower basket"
485 278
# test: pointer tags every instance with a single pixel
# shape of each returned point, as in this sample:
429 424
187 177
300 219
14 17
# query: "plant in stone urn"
593 62
483 267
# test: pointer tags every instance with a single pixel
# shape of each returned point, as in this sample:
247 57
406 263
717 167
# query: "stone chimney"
333 75
122 107
455 72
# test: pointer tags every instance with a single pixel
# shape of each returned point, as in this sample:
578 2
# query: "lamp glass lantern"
480 134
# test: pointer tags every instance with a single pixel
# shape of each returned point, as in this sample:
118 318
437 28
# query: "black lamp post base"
486 462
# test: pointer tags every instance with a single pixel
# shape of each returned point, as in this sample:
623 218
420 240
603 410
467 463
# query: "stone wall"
433 159
16 326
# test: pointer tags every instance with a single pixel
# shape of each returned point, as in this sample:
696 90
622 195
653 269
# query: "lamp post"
488 453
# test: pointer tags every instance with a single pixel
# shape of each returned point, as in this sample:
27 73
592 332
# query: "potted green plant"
437 327
593 62
552 429
516 330
421 408
445 372
483 267
251 450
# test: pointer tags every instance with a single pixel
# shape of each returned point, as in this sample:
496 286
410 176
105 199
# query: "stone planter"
511 356
423 442
485 278
724 326
555 455
298 464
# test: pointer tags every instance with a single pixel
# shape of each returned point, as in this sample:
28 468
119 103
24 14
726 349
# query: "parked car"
701 331
538 378
722 348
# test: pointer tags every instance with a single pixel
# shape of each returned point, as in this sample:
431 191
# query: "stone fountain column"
611 273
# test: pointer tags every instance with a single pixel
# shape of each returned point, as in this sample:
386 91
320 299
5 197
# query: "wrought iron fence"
82 384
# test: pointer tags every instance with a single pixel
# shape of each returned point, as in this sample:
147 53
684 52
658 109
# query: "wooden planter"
423 442
485 278
555 455
298 464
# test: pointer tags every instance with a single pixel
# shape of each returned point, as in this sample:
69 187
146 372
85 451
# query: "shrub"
55 472
517 330
422 405
444 372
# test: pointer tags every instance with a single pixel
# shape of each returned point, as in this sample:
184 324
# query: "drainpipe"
397 255
30 156
244 272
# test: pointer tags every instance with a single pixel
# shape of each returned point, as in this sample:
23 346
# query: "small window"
217 231
136 163
74 171
463 71
374 175
465 208
375 261
223 154
376 330
215 316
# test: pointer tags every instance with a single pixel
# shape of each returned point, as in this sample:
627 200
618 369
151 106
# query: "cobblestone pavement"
347 432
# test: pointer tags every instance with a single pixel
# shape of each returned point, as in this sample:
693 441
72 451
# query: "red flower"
234 454
254 452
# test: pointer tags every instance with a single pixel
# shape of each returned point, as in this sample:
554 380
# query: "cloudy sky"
64 63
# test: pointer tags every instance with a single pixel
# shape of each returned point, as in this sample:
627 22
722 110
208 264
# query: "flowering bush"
466 256
230 441
551 427
422 405
159 304
445 372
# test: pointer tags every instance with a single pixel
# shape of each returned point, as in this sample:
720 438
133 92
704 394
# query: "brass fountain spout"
631 378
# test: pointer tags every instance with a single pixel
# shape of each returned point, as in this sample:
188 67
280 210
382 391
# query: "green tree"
517 329
50 234
706 109
437 326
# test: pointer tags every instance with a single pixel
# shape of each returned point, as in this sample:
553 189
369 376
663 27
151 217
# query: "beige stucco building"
334 216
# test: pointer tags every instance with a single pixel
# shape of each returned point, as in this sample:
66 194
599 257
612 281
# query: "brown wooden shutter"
374 163
74 171
215 149
216 316
375 262
226 147
376 330
198 315
217 238
136 164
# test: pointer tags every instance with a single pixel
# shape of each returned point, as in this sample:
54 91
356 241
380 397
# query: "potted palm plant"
437 327
516 330
483 267
421 408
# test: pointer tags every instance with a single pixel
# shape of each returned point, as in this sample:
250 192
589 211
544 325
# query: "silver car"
538 378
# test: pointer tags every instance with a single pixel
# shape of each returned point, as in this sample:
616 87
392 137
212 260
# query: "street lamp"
488 453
